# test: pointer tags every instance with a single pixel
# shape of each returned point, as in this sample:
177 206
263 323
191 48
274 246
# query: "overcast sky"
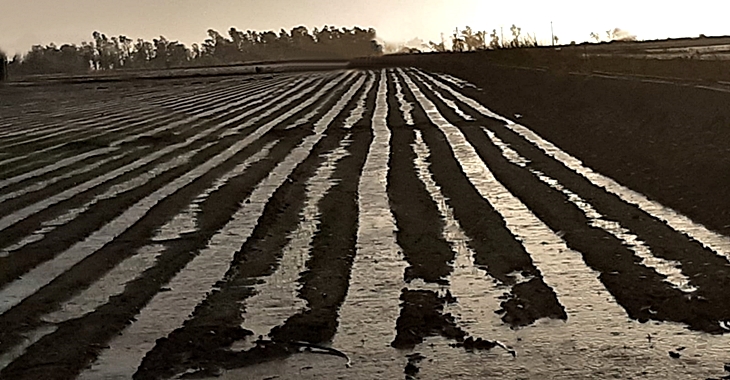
27 22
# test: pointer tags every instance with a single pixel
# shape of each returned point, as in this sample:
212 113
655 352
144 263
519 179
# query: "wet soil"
666 142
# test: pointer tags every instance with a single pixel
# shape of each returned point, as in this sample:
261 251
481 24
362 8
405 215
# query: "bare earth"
457 220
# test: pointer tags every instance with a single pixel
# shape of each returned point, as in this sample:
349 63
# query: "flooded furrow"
544 245
8 220
47 182
314 112
718 243
191 285
405 106
605 333
146 124
191 121
113 282
368 314
197 102
357 113
96 128
141 115
669 269
278 297
601 250
28 340
417 219
328 269
43 274
221 312
113 191
324 91
91 114
79 113
496 248
448 102
703 309
109 117
186 221
476 292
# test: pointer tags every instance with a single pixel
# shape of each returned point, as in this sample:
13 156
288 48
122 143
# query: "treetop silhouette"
105 53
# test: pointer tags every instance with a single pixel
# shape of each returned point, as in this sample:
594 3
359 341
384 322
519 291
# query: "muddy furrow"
268 254
720 244
212 264
104 111
143 188
174 257
74 146
186 123
177 134
601 250
197 137
636 243
496 249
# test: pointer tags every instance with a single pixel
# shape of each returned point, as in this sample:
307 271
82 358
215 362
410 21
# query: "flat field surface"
363 224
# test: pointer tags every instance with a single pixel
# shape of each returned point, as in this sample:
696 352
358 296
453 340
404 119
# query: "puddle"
277 298
668 268
168 310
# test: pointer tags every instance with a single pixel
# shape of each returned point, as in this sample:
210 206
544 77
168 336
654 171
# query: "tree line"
468 39
104 53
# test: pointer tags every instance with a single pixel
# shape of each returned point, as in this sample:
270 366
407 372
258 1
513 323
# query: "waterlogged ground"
338 225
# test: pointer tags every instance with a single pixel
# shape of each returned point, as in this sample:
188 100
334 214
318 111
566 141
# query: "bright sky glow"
28 22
